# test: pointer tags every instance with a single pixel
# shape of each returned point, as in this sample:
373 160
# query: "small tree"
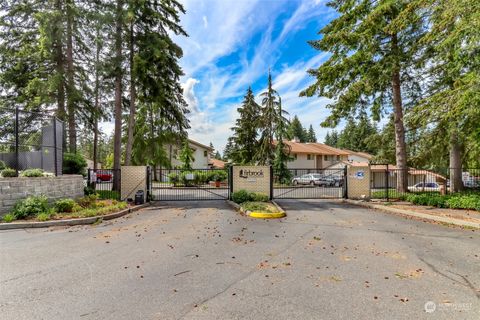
186 156
311 137
280 163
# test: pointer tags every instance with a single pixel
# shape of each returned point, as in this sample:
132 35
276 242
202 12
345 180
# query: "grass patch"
259 207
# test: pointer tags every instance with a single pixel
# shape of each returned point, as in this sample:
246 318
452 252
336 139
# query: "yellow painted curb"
264 215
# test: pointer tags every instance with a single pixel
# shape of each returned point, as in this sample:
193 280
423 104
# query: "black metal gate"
310 184
195 184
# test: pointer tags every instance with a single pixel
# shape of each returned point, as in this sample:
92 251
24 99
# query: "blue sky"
231 46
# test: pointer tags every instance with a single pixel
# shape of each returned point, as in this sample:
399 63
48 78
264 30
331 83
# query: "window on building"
205 153
338 158
325 157
295 156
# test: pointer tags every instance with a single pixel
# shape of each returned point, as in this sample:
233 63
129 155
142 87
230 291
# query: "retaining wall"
15 189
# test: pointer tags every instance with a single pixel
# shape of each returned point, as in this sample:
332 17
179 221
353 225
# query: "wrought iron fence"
102 182
31 140
309 183
195 184
385 181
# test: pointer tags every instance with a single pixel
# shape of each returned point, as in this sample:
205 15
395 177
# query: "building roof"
360 154
215 163
313 148
324 149
412 171
198 144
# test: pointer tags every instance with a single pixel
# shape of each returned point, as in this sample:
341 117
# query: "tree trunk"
96 112
456 183
72 131
59 61
133 94
117 140
400 146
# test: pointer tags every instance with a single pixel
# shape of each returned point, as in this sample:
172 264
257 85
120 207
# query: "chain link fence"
31 140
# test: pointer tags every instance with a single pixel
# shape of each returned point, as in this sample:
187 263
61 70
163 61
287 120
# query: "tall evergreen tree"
296 130
246 130
311 136
282 152
229 150
272 117
154 69
186 156
370 63
452 66
331 139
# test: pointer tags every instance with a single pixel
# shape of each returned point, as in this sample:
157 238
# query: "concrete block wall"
15 189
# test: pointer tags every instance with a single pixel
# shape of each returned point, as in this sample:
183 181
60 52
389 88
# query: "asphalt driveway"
201 260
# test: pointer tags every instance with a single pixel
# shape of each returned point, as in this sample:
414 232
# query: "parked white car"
313 179
427 186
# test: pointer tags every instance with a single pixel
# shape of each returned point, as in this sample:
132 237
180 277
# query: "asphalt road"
201 260
212 193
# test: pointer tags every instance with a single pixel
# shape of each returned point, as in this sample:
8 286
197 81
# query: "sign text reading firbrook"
251 173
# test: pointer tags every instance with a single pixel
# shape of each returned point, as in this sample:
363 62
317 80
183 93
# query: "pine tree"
272 117
186 156
331 139
450 56
296 130
229 150
161 109
246 130
311 136
154 70
370 59
282 153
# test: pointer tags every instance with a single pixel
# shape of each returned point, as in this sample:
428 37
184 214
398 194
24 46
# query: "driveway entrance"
310 184
195 184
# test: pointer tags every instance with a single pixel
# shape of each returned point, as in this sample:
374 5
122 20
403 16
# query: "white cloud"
189 94
231 25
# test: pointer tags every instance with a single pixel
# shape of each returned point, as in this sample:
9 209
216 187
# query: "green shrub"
242 196
9 173
8 217
88 201
74 163
464 202
44 217
108 194
173 178
260 197
32 173
88 191
2 165
31 206
64 205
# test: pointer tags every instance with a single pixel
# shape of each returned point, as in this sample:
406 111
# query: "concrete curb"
409 213
70 222
259 215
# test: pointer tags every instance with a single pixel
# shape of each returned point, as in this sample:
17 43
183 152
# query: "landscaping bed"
461 200
256 205
37 208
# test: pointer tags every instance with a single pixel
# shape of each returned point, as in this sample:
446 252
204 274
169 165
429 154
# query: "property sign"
360 174
251 178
